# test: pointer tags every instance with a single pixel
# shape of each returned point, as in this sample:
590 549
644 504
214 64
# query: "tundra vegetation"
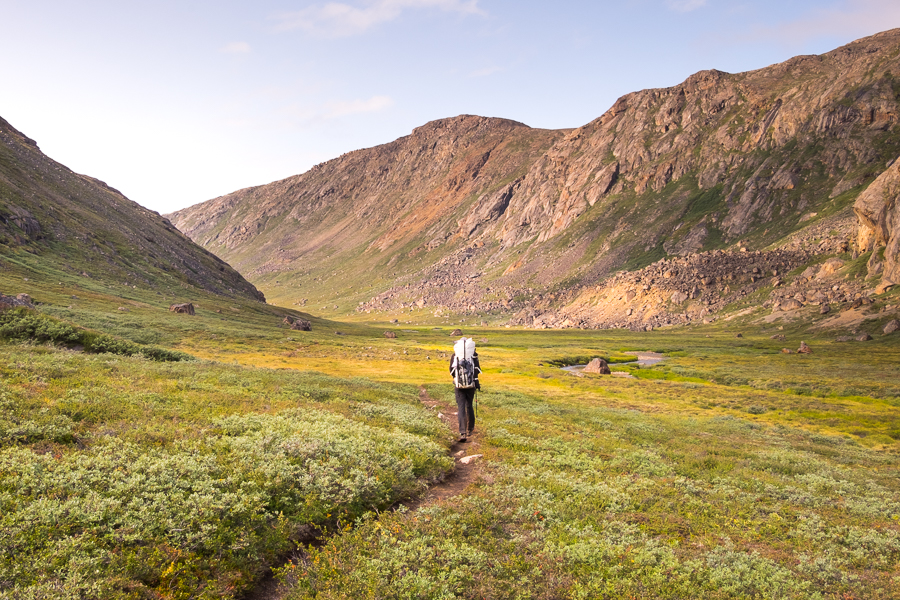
729 470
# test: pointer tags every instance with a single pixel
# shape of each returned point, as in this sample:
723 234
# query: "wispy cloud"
854 18
342 109
486 71
685 5
336 19
304 113
235 48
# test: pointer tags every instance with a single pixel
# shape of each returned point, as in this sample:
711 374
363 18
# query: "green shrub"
23 324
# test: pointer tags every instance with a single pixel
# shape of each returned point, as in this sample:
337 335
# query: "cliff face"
79 224
878 211
474 211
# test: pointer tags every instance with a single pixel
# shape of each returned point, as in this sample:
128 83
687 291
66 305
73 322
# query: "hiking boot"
469 433
462 437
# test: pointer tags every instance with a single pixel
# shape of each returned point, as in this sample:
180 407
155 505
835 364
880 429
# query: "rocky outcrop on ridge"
473 214
79 224
878 209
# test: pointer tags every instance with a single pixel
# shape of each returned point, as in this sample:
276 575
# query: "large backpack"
463 366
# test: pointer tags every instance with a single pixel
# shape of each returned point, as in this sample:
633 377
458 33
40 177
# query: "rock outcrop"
185 308
19 301
297 323
878 209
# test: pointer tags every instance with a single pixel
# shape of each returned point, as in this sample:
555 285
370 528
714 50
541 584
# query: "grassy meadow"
729 470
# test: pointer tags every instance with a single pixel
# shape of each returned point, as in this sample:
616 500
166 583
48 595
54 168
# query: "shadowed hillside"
76 224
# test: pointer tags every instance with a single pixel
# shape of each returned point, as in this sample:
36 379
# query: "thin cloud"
485 72
353 107
685 5
856 18
235 48
336 19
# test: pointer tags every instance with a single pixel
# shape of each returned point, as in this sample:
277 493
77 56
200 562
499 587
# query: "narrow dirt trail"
464 472
454 484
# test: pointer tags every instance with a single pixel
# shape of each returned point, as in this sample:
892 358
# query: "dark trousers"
466 414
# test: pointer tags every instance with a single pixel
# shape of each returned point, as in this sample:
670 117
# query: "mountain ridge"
719 161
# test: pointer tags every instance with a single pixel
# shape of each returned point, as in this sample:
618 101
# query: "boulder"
786 351
777 336
810 272
892 326
186 308
390 335
456 332
790 304
804 349
301 325
470 459
297 323
825 309
599 366
863 337
679 297
829 267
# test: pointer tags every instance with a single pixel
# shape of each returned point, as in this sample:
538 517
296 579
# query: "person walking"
465 368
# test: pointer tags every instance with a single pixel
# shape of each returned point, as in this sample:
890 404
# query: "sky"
177 102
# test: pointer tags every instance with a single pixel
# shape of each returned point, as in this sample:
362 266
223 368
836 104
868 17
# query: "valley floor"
728 470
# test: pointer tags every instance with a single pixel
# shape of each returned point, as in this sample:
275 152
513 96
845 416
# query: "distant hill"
478 214
79 225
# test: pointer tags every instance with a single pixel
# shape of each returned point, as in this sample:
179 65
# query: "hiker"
465 369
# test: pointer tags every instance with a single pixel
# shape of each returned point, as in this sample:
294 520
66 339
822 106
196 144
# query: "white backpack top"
464 348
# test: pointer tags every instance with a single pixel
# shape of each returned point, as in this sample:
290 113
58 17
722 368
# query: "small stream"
642 358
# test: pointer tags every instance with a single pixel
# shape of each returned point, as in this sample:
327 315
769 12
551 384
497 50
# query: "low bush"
22 324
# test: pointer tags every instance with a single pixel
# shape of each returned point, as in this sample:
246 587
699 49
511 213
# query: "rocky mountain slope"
77 224
486 215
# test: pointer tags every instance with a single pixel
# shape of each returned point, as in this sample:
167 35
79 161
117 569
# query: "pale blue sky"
174 103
